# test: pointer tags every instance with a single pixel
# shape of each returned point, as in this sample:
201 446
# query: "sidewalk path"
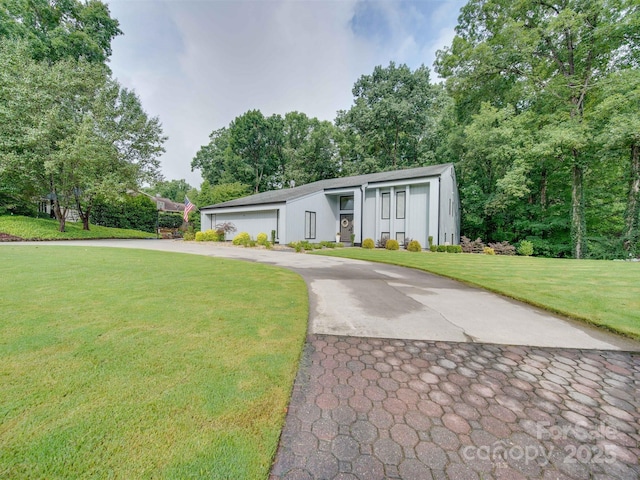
370 409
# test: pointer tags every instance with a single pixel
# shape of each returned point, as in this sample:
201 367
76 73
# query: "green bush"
273 236
243 238
392 244
489 251
454 249
131 212
169 220
441 248
368 243
189 235
211 236
261 239
430 242
199 237
525 248
433 248
414 246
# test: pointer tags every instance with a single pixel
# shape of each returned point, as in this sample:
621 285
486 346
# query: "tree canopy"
68 131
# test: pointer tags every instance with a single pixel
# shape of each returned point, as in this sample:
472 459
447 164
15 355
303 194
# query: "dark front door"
346 227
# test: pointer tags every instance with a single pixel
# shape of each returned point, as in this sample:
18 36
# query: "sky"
198 64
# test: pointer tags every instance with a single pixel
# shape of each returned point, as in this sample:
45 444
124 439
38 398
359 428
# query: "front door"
346 227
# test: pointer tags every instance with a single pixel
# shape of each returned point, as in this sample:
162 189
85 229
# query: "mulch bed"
5 237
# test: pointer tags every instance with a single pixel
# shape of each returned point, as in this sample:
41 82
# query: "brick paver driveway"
370 409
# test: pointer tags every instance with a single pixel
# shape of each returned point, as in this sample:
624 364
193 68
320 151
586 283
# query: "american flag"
188 206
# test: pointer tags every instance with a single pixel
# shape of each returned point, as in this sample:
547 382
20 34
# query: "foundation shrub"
392 244
368 243
242 238
414 246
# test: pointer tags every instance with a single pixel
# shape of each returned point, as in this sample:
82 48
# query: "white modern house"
415 203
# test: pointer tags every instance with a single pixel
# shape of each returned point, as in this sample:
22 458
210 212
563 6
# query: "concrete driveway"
362 299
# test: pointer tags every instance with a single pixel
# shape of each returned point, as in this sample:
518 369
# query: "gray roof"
285 194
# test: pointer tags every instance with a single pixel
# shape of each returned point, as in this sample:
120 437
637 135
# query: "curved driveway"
356 298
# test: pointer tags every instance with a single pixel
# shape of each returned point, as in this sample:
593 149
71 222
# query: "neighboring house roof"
281 196
165 204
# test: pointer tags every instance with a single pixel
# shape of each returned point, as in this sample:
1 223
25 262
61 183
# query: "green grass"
29 228
603 293
139 364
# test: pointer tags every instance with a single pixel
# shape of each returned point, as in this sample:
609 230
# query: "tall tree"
616 116
392 113
546 55
68 131
58 29
174 190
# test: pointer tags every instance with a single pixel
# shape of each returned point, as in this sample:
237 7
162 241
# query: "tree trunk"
60 215
85 220
578 225
543 189
633 200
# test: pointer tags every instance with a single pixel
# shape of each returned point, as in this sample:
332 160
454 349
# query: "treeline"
539 112
68 130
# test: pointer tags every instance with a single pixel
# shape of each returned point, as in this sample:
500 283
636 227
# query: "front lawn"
29 228
138 364
605 293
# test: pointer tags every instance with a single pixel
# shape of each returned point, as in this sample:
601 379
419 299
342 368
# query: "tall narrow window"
400 238
400 204
309 225
386 205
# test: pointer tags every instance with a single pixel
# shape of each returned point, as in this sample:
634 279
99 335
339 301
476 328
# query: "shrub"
317 246
503 248
489 251
382 243
261 239
430 241
454 249
469 246
189 235
210 236
273 236
392 244
433 248
199 237
525 248
368 243
223 229
169 220
243 238
441 248
338 244
414 246
137 212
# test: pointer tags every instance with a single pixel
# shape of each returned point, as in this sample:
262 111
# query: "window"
309 224
386 205
385 235
400 238
400 202
346 203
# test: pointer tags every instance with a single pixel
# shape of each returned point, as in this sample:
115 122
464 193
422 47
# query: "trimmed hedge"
131 212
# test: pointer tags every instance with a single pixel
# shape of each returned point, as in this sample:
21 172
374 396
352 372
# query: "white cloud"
199 64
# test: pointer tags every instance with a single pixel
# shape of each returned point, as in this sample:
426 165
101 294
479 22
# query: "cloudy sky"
198 64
